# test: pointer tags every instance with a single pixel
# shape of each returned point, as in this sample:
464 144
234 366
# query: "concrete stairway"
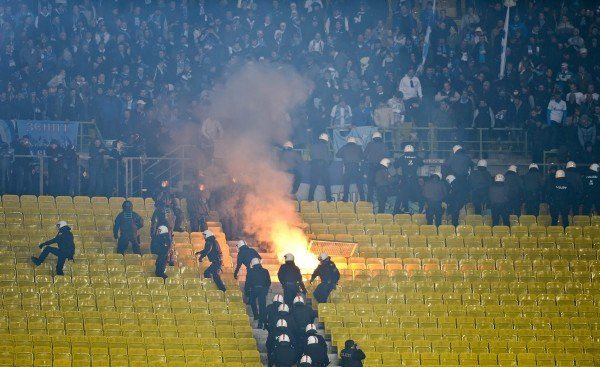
271 263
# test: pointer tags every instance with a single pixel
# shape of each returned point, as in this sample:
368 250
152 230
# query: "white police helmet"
324 137
409 148
450 178
254 262
559 174
288 257
163 230
499 177
385 162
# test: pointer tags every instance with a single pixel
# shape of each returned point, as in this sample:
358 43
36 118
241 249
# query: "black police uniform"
271 341
330 275
591 192
290 278
161 246
559 199
319 169
126 229
245 255
479 184
303 315
458 164
375 151
515 191
318 353
272 315
213 252
499 203
434 192
284 355
533 187
409 188
574 178
258 282
382 182
291 160
351 356
352 155
64 251
457 198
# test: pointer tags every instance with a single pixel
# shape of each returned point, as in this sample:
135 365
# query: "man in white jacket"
412 94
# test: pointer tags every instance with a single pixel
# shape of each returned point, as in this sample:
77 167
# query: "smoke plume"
253 106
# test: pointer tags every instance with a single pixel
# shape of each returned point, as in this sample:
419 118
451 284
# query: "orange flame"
288 239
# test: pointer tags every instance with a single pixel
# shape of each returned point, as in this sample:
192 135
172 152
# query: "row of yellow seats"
547 308
482 359
444 231
370 289
410 322
333 206
79 200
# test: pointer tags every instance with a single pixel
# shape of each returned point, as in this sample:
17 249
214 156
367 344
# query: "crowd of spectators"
138 68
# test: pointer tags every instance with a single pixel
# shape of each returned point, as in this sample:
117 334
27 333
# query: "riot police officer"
375 151
499 200
320 158
317 351
559 198
291 160
458 164
64 251
303 315
457 198
479 184
290 278
161 246
281 328
574 178
212 251
382 182
352 155
329 275
126 229
515 190
258 282
272 313
591 190
244 256
434 192
533 187
284 354
409 162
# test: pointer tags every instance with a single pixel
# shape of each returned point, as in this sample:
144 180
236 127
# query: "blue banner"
41 133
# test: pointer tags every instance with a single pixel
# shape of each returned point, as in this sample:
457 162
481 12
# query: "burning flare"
289 239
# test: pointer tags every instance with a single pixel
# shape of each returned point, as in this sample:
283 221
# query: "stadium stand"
107 310
417 295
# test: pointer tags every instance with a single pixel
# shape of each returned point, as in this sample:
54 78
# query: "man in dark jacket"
284 354
166 197
330 276
352 155
126 229
303 315
291 160
96 168
533 187
457 198
161 247
382 182
212 251
479 184
22 166
434 192
271 312
409 162
244 257
64 251
56 168
559 198
198 208
458 164
515 190
591 190
351 355
499 200
258 282
290 278
574 178
280 328
375 151
317 351
320 158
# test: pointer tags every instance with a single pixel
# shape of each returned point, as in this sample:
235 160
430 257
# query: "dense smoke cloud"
253 106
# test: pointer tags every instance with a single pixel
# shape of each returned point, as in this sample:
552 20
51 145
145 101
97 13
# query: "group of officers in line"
293 339
573 189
